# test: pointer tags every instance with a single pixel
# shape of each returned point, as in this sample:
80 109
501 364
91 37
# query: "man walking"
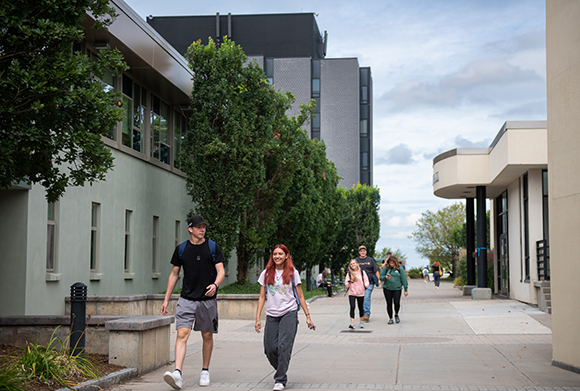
368 265
203 271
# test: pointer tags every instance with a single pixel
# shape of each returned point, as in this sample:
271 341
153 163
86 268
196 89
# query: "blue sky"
446 74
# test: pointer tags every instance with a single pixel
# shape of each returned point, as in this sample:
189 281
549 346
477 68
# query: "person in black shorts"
203 272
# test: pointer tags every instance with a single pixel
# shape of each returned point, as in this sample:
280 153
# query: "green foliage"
11 379
433 236
415 272
360 224
52 109
53 363
458 234
397 253
251 169
254 288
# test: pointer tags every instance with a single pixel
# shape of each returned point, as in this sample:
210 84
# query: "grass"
51 364
238 289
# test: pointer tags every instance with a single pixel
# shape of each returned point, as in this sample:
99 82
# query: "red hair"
271 266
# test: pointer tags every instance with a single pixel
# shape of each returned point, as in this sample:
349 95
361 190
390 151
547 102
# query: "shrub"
415 272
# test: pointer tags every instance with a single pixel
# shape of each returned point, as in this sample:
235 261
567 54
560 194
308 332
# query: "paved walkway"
445 341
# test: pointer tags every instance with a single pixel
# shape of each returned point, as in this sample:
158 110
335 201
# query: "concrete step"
548 297
549 310
546 290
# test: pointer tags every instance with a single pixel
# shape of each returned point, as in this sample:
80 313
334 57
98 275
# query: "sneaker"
351 326
278 387
361 325
397 318
204 379
173 379
366 318
390 321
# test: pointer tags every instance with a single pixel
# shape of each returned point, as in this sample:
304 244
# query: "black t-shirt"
198 269
370 267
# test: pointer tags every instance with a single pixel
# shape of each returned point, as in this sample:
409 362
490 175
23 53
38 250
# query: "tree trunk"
243 260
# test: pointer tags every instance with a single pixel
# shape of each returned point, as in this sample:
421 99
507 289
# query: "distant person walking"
203 272
356 281
437 273
281 283
394 280
425 274
369 266
322 283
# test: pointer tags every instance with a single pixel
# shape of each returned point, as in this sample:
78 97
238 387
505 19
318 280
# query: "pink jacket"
357 288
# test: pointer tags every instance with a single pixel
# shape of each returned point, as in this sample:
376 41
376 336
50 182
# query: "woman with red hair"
282 282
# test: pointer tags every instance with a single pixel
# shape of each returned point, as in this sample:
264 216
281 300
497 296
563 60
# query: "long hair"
351 273
271 266
395 260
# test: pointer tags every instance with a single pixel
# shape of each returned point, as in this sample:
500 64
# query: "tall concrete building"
292 52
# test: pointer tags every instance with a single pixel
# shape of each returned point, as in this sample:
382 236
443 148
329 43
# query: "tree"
242 150
360 224
397 253
52 108
433 235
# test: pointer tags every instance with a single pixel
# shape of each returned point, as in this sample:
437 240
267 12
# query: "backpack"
210 242
293 288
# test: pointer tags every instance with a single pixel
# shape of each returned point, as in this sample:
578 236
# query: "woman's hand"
258 325
310 324
406 294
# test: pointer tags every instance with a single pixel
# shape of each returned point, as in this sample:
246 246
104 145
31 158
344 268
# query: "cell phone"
312 327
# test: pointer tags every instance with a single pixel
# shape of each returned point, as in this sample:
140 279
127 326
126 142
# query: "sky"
446 74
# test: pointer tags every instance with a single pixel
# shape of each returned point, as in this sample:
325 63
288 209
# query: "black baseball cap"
196 220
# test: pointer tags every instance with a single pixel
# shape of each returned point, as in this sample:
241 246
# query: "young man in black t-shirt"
203 272
369 265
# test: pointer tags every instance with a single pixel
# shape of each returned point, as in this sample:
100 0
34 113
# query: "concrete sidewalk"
445 341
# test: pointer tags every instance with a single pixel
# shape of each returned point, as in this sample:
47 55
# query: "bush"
415 272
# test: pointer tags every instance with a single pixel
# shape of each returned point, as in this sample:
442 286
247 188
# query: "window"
155 243
269 69
179 130
364 160
177 231
364 94
134 103
51 237
127 257
160 149
109 83
526 229
364 127
95 209
315 88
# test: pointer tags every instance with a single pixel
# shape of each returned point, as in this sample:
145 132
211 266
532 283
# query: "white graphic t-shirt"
279 297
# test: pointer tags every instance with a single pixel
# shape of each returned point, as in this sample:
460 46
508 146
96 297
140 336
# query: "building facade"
563 86
292 52
514 173
116 236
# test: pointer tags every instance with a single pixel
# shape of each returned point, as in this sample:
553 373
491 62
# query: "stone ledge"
138 323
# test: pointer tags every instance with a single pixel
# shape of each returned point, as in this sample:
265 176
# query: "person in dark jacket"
394 280
437 273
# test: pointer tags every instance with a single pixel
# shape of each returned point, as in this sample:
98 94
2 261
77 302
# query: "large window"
134 103
179 130
177 232
269 69
526 268
109 83
51 238
95 210
160 143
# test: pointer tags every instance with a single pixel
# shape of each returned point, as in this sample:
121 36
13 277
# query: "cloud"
461 142
403 221
536 110
475 83
400 154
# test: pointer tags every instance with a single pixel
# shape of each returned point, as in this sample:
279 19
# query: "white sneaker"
362 326
173 379
204 378
278 387
351 326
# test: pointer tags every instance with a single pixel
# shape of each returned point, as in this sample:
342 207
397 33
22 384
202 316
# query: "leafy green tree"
433 236
397 253
360 224
52 108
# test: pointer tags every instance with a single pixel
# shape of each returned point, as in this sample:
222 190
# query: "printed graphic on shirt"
278 287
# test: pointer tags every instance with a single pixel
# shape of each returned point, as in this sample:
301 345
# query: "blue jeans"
367 303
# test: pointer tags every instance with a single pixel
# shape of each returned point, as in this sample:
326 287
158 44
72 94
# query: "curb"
105 381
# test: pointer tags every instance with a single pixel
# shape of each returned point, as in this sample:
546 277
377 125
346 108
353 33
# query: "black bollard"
78 321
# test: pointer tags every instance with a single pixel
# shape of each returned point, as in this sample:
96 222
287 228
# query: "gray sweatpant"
279 335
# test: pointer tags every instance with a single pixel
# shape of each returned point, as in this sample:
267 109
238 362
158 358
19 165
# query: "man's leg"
207 349
367 302
181 346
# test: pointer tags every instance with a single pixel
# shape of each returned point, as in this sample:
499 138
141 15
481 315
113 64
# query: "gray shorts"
203 313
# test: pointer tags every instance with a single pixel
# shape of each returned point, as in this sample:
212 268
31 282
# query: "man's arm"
221 274
171 281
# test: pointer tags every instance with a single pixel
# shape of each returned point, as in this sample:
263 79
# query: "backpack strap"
210 242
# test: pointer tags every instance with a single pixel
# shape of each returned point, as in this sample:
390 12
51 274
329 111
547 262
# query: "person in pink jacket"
357 282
